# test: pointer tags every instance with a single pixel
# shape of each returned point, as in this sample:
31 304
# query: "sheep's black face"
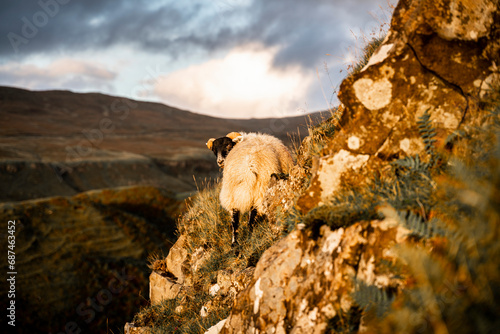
221 148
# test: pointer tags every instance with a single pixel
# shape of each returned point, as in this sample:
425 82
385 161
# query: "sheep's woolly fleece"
248 169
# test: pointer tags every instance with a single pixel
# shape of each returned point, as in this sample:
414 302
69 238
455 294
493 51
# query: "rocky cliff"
389 221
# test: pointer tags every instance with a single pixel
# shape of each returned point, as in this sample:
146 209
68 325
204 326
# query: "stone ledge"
161 288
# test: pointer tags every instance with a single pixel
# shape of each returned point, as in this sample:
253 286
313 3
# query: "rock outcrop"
439 57
303 282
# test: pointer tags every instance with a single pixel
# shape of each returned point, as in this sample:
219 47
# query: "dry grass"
207 228
366 43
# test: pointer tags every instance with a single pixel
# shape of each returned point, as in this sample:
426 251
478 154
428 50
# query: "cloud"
45 26
242 84
305 31
65 66
62 73
295 37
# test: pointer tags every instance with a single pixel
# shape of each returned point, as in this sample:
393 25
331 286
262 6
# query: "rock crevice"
442 78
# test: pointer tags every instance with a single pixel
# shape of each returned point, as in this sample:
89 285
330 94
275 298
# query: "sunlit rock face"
301 282
439 57
436 57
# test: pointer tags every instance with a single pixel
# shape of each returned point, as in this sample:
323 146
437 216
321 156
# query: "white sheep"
248 161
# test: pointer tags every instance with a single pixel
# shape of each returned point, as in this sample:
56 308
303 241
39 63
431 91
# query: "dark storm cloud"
304 30
308 30
48 26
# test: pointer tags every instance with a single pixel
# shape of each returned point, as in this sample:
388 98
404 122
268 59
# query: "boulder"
177 260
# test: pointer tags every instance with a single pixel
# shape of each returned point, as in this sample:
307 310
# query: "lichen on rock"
429 62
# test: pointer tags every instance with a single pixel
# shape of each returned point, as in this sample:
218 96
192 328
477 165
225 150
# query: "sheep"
248 160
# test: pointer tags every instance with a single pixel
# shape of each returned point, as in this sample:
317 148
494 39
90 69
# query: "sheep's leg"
251 219
235 220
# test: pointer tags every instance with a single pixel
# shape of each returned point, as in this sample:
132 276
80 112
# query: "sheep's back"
247 172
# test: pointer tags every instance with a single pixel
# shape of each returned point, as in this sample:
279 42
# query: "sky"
224 58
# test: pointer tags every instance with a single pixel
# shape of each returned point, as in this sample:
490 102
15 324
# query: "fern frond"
411 164
370 297
427 132
416 224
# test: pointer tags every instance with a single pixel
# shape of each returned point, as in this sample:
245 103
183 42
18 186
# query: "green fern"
410 163
371 298
416 224
415 164
423 229
407 191
427 132
454 260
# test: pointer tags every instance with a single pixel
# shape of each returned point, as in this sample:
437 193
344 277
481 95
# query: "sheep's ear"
210 143
233 135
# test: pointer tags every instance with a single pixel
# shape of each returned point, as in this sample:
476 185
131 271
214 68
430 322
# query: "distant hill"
62 143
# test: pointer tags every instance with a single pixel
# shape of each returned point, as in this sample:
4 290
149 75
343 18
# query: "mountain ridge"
95 141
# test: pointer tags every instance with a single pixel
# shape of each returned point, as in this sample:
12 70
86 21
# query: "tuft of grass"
366 53
368 42
168 317
206 224
318 138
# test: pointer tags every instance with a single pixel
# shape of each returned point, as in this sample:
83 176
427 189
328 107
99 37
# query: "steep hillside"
388 223
72 250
